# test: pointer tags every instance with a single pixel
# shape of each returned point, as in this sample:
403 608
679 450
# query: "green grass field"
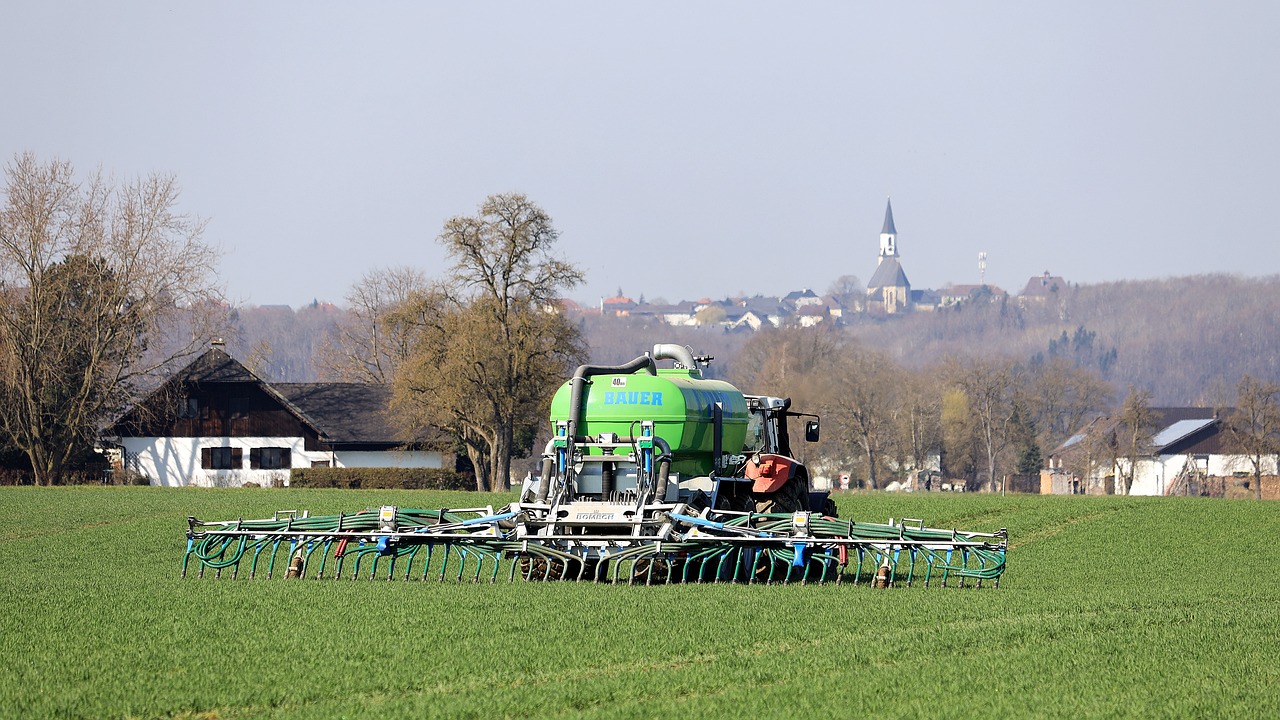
1110 607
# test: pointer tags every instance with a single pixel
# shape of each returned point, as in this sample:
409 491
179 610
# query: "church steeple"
888 234
888 228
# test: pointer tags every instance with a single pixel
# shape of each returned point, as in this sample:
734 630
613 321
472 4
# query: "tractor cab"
767 425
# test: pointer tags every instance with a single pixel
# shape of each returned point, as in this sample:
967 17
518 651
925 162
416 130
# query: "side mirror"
811 431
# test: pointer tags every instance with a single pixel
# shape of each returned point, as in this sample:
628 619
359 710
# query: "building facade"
216 424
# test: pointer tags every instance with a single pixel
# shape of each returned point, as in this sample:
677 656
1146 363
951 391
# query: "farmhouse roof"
764 306
214 366
1172 431
1179 430
795 295
344 412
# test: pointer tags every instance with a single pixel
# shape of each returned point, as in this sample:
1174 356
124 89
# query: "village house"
619 305
957 294
1189 451
1043 287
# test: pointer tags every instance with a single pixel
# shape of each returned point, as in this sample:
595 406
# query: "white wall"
175 462
1156 476
389 458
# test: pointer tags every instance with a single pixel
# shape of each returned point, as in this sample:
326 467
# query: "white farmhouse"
216 424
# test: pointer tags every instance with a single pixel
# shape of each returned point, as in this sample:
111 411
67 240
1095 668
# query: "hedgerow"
380 478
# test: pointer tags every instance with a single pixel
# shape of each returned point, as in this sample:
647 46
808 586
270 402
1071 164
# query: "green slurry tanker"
652 475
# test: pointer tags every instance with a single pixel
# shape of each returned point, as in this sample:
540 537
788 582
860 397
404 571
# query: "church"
889 288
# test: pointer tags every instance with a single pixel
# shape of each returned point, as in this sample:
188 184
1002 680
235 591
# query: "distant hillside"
1187 340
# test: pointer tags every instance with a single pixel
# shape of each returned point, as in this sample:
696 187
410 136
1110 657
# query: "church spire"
888 228
888 234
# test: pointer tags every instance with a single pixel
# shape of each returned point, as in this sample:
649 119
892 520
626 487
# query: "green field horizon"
1110 606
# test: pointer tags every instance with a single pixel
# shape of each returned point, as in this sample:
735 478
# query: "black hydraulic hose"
664 470
544 483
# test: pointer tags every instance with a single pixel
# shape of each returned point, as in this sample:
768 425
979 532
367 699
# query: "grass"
1110 607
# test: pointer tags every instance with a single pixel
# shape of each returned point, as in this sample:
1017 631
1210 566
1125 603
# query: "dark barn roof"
214 366
1174 431
344 412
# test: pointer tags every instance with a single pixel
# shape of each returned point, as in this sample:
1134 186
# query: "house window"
270 458
221 458
189 407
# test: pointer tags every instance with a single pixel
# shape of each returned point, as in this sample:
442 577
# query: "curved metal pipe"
679 353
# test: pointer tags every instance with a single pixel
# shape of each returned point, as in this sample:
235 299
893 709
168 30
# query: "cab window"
755 441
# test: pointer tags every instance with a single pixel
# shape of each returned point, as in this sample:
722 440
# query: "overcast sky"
683 149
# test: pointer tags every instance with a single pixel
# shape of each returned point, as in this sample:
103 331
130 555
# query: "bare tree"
368 344
104 289
1255 426
794 362
849 290
1137 421
1060 396
1089 447
961 442
488 351
864 398
917 419
989 387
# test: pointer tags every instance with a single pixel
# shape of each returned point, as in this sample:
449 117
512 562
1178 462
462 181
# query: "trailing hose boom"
652 475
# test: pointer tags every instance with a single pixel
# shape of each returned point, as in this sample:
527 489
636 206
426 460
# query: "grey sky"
683 149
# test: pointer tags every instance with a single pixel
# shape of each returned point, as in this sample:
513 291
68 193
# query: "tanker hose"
544 483
664 470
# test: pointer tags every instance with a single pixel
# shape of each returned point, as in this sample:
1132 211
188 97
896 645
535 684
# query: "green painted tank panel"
679 403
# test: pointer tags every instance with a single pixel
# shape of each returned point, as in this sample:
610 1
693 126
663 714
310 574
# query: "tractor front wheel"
792 497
